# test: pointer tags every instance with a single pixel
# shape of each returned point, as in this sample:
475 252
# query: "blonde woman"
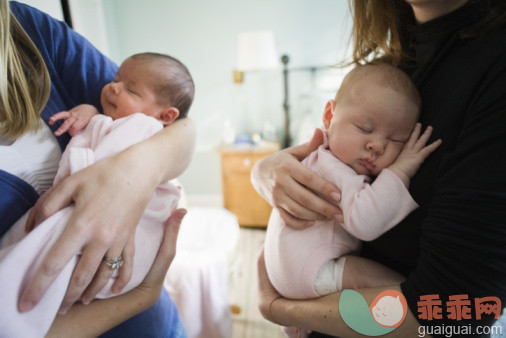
46 68
454 244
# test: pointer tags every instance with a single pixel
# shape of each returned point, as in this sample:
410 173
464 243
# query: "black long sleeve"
455 243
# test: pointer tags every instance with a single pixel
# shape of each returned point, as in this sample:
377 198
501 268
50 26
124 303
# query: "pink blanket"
21 253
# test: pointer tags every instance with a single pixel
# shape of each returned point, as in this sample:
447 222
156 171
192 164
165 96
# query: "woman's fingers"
302 151
293 222
301 209
310 184
125 272
286 183
82 276
63 250
153 282
105 272
314 185
55 199
56 259
167 250
36 211
102 276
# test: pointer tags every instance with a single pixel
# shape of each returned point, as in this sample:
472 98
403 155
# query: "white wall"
88 19
51 7
203 35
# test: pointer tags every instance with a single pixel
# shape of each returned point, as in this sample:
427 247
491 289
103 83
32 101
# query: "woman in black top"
455 243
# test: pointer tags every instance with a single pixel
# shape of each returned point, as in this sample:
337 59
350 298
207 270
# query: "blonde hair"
24 79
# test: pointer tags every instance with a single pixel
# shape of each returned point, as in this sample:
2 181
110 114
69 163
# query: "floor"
247 320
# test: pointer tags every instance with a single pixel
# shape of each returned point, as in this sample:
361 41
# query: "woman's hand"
293 188
106 314
109 202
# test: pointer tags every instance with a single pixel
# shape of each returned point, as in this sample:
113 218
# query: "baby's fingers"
431 147
65 126
59 116
415 134
422 140
77 126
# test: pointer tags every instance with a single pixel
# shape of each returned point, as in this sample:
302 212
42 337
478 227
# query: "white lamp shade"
256 50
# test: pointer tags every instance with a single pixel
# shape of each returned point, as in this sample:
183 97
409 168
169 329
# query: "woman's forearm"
323 314
170 150
100 315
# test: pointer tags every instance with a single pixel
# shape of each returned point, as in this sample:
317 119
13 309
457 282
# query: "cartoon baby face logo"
387 312
389 308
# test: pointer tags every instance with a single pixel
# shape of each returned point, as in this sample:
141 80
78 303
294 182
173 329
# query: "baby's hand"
414 153
75 119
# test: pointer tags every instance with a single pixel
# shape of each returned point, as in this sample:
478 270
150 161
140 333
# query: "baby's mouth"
110 104
368 164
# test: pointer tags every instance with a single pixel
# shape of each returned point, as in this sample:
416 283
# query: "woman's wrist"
269 310
103 313
168 153
147 157
145 298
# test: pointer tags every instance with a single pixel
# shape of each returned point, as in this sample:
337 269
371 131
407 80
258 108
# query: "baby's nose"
114 88
377 147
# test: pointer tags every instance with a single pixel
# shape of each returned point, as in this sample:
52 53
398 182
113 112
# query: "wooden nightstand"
238 193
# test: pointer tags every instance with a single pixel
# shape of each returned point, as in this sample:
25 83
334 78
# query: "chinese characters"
458 307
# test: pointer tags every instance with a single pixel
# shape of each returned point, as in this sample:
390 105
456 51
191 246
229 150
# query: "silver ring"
114 263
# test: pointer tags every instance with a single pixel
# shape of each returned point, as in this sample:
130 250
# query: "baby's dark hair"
175 87
387 75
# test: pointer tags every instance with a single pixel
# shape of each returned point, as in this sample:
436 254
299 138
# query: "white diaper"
329 278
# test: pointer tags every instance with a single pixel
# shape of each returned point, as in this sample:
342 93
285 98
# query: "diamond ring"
114 263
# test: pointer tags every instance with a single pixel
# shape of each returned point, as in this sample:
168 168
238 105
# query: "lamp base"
238 76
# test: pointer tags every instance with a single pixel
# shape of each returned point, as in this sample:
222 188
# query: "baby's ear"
168 115
328 113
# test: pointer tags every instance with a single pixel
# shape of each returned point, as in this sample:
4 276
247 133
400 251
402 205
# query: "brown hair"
24 79
176 87
380 28
384 74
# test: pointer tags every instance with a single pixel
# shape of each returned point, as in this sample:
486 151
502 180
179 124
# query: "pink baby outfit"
21 253
293 257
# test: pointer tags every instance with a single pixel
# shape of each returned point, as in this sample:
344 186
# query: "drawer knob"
246 162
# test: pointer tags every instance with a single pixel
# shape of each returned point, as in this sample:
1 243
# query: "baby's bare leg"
360 272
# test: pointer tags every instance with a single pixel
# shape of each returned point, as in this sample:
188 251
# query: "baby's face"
131 91
369 127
